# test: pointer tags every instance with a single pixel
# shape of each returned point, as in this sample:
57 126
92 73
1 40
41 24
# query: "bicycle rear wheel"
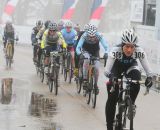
127 115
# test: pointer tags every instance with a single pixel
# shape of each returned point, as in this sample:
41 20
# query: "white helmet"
92 30
68 24
86 26
129 36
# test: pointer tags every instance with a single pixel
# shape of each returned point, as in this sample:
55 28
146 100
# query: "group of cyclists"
83 44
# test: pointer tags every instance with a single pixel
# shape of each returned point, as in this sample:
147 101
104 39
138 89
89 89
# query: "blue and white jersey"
69 37
91 45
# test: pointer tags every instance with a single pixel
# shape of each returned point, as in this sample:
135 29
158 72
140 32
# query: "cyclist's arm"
144 62
33 36
64 45
43 39
111 59
80 44
103 42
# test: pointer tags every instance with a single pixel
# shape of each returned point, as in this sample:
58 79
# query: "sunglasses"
52 30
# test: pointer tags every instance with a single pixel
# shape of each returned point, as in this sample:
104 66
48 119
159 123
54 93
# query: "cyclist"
60 25
89 44
76 56
123 58
9 33
70 36
35 30
51 41
77 28
39 37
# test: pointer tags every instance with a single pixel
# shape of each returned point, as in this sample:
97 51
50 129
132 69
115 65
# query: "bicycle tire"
128 114
50 84
55 74
65 74
42 75
79 80
94 98
88 94
69 67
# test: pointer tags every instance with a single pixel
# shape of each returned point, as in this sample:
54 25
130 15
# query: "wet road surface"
27 104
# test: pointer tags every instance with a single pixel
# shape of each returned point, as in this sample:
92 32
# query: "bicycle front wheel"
79 80
127 115
50 84
93 92
55 76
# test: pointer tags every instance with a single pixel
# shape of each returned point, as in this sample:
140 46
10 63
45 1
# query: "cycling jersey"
91 46
69 37
33 35
47 40
116 54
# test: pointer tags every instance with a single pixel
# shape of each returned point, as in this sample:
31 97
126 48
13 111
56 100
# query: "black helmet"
39 23
47 23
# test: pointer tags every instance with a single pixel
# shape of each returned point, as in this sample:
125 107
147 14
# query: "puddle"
41 106
6 90
52 126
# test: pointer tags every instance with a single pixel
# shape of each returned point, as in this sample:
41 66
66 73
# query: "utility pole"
157 22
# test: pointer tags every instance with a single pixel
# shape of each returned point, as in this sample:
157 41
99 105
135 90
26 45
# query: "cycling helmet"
47 23
61 23
86 27
39 23
52 26
129 36
68 24
92 30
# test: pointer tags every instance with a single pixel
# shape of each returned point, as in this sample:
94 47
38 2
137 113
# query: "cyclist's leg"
86 65
46 61
34 52
110 109
76 64
111 106
39 53
72 54
97 63
135 74
12 50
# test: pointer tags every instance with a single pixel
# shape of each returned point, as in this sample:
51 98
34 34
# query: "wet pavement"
27 104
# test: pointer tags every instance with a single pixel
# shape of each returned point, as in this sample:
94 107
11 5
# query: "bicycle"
53 72
92 91
9 52
68 66
125 108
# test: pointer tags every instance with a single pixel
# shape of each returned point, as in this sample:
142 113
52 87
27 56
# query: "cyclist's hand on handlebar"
148 82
